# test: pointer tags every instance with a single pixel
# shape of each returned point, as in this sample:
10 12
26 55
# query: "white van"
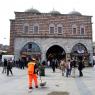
8 57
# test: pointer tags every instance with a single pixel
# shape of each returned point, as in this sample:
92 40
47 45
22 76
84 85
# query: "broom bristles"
43 84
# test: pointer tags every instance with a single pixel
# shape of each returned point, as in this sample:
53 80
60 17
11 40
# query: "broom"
42 84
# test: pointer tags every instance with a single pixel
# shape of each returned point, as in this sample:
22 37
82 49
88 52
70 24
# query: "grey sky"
8 7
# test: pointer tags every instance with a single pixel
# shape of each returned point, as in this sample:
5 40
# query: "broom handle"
40 76
40 79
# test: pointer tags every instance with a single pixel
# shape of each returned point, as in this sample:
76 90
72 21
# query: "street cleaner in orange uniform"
32 73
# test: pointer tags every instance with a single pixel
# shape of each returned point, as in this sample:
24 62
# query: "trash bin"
42 70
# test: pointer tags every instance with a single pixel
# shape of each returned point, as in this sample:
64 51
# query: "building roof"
75 13
54 12
32 10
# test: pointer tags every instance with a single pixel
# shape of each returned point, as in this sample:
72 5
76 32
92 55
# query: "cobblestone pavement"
18 85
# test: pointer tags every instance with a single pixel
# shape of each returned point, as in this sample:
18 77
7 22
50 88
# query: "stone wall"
45 40
46 43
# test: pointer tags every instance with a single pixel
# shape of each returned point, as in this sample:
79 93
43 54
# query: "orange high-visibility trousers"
32 77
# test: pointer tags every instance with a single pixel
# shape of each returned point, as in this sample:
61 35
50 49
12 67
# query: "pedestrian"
62 66
32 72
4 66
80 67
56 63
73 65
94 66
53 65
48 63
22 63
9 67
68 68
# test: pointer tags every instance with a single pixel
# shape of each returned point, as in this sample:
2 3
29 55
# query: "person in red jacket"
32 73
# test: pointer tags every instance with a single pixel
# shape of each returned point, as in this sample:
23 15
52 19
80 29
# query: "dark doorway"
55 52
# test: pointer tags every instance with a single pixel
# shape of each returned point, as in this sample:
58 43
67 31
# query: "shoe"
36 86
30 87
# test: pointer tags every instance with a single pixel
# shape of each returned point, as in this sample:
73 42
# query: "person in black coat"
4 66
80 67
53 65
9 67
73 65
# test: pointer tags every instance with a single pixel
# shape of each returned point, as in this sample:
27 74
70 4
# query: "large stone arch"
54 43
78 51
55 52
49 44
19 44
31 49
79 48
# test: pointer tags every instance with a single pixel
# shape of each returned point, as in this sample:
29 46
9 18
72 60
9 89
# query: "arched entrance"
55 52
31 49
80 51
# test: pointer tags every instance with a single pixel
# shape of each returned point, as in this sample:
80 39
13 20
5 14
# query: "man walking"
9 67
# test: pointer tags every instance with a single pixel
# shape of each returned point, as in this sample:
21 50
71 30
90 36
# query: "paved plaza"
18 85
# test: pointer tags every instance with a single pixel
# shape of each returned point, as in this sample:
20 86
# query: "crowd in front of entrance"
66 66
35 68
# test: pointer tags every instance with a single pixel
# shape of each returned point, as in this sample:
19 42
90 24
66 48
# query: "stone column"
43 56
91 58
68 56
68 53
17 54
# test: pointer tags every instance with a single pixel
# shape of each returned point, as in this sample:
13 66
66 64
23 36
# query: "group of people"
66 67
69 66
33 68
7 67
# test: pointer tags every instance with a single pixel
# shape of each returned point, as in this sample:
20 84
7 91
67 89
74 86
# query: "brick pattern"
44 20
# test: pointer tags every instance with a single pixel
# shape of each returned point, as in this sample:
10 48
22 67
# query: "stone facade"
46 43
43 38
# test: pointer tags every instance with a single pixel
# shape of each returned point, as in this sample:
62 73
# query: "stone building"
51 35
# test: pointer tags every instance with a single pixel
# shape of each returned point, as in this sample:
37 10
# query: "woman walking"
62 66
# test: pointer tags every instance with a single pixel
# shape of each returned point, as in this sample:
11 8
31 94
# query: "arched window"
31 49
74 29
79 49
36 28
59 29
51 29
26 28
82 30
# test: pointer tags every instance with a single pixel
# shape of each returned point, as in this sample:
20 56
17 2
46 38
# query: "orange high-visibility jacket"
31 67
